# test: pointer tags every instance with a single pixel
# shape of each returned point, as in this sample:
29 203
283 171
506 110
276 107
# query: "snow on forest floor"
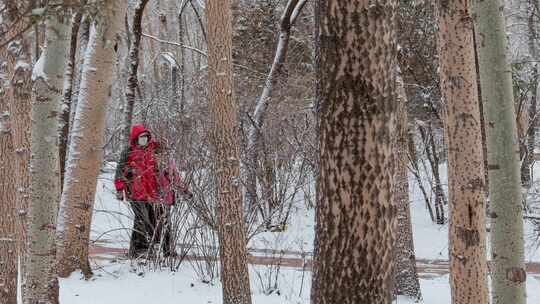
118 280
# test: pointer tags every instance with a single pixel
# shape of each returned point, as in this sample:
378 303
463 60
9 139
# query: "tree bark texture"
8 237
84 157
67 95
82 42
20 100
15 97
41 281
223 108
507 244
467 248
355 216
406 276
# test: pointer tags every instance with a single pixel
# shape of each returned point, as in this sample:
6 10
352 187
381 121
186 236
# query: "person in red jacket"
139 180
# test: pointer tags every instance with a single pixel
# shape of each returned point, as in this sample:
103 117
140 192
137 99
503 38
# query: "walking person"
150 192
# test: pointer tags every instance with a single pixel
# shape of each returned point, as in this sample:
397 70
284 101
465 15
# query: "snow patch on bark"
39 69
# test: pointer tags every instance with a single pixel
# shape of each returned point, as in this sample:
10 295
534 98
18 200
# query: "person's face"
143 139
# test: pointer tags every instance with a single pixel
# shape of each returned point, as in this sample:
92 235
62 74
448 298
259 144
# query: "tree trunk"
223 108
467 249
42 283
133 66
84 157
507 251
83 37
182 65
20 99
8 237
14 156
65 110
406 277
482 119
356 217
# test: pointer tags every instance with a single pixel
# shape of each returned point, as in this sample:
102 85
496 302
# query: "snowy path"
295 259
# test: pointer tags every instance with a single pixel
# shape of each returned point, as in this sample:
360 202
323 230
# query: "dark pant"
151 220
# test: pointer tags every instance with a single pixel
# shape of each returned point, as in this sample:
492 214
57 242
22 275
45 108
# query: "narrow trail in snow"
426 268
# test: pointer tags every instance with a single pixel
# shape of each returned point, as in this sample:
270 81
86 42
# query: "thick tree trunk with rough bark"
507 251
15 101
406 277
20 100
8 237
41 280
467 248
223 108
84 157
356 217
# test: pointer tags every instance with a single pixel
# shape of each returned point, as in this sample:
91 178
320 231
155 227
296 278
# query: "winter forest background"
339 151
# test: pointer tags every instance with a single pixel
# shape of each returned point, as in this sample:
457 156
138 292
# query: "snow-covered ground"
118 280
121 283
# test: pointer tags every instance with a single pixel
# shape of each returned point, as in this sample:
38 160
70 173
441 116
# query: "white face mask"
142 140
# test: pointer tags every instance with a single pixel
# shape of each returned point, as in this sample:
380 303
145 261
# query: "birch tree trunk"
82 42
507 251
42 283
406 277
355 215
467 249
84 157
83 37
223 108
69 80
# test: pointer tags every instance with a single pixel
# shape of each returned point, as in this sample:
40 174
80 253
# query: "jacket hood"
137 130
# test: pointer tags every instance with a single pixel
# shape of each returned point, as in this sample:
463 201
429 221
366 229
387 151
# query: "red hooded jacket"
137 173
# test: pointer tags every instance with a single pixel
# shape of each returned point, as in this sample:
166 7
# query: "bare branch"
196 50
